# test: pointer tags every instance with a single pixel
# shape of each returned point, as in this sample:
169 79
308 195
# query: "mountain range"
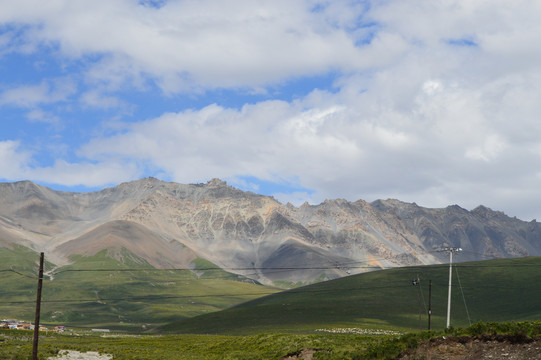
171 225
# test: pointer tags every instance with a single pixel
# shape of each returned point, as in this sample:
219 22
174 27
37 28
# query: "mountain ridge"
170 224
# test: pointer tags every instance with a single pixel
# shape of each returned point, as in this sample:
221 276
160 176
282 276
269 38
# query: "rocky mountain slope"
171 225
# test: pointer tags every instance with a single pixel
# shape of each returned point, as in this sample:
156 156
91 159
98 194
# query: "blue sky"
427 102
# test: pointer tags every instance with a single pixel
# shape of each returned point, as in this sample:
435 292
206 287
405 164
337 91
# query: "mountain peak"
238 229
215 182
486 212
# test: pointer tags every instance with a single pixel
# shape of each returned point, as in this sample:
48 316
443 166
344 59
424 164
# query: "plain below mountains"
171 225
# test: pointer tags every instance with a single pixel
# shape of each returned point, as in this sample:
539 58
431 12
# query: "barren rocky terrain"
171 225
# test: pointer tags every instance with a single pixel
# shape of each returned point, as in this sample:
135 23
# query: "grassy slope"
498 290
116 294
18 344
19 270
197 347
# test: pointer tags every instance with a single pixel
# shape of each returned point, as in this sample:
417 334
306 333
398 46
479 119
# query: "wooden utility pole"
38 309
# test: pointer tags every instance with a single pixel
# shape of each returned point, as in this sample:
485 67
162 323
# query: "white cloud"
296 198
85 173
94 98
200 44
373 145
46 92
435 102
490 148
17 163
13 160
38 115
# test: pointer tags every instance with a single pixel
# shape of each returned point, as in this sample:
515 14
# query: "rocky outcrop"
170 225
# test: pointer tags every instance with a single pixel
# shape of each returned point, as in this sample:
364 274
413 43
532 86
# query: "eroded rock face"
170 224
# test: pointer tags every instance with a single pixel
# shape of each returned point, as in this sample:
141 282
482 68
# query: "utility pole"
417 282
451 251
429 302
38 309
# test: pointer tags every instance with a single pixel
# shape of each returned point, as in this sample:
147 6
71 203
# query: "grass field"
257 322
100 291
17 345
496 290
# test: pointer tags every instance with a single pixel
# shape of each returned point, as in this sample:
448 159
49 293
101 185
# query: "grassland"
101 291
497 290
17 345
197 347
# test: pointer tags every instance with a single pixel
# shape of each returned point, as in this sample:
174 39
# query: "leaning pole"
38 309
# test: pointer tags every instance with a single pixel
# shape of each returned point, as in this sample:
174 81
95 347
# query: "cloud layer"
433 102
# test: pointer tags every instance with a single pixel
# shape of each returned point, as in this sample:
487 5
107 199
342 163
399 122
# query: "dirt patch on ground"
492 347
304 354
76 355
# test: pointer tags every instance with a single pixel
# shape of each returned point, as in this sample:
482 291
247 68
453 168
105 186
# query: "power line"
335 266
276 270
296 268
19 273
219 269
143 298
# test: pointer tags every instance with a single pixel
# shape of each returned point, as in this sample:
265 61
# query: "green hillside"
496 290
116 289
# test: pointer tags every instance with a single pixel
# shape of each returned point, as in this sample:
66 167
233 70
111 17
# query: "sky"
432 102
